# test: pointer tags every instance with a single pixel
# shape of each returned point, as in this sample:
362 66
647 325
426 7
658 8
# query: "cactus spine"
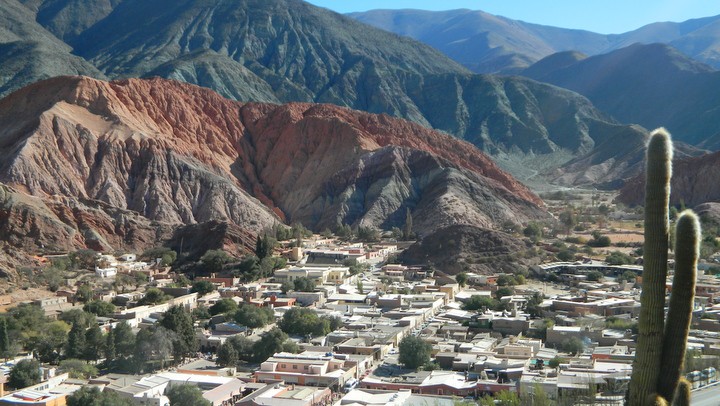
660 351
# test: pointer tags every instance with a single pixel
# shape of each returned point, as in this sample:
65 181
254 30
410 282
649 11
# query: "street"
708 396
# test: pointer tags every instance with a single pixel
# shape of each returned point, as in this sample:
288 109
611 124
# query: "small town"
312 319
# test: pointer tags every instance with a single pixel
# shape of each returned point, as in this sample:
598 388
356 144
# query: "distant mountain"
283 51
693 183
486 43
652 85
28 52
132 162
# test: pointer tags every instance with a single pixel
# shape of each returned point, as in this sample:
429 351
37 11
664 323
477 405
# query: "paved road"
709 396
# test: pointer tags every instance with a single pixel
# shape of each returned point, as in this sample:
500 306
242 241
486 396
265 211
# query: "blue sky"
602 16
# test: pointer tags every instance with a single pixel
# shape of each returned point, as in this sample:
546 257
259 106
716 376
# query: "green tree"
4 340
78 369
461 278
99 308
408 229
629 276
270 342
92 396
94 344
533 231
253 317
304 322
304 284
83 258
227 355
502 292
25 373
569 220
110 352
478 302
594 276
186 395
154 346
154 296
166 255
573 345
76 341
368 234
202 287
51 341
243 347
215 260
414 352
178 320
291 347
263 246
84 293
618 258
124 339
225 305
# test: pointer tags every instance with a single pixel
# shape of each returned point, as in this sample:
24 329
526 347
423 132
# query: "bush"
618 258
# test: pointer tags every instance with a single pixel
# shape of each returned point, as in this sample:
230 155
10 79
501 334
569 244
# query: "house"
308 368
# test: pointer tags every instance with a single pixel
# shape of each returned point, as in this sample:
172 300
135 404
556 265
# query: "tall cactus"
660 351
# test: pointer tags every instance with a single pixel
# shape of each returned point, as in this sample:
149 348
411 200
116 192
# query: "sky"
601 16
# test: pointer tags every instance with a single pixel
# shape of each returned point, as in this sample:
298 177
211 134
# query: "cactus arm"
682 395
656 400
646 366
687 247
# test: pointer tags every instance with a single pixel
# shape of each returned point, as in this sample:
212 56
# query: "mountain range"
283 51
129 163
487 43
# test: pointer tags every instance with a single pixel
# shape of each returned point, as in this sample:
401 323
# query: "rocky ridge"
138 159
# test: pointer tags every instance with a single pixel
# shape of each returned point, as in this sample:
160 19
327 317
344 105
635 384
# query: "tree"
99 308
618 258
76 341
533 305
408 229
92 396
202 287
252 316
4 340
124 339
84 293
25 373
110 352
594 276
83 258
225 305
290 346
304 284
573 345
304 322
166 255
243 347
94 344
215 260
270 343
533 231
263 246
344 232
414 352
506 280
461 278
178 320
154 346
287 286
629 276
477 302
502 292
569 220
599 240
227 355
51 341
78 369
154 296
186 395
368 234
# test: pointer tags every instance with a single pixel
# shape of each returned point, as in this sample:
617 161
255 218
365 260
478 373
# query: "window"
306 367
294 366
